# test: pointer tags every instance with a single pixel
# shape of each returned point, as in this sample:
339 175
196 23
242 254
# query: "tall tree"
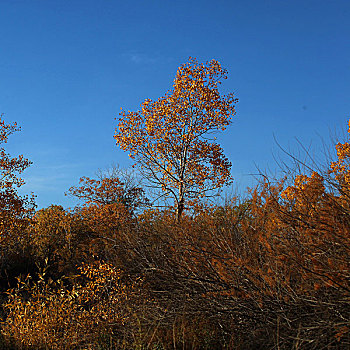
170 138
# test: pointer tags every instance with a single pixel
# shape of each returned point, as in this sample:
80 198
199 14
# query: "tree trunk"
179 210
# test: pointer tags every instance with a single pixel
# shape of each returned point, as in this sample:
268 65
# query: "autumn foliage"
170 138
270 270
67 318
14 209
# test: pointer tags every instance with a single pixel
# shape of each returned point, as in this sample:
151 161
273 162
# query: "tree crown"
170 138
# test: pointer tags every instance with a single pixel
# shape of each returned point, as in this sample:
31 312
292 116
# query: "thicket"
267 272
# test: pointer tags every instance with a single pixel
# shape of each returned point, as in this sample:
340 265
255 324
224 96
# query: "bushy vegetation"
269 271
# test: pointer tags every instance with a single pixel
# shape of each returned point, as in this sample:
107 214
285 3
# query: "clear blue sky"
66 68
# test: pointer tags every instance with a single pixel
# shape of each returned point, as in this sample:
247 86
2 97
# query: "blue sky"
66 68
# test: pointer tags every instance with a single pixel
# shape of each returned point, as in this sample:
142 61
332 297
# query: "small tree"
169 138
14 209
114 185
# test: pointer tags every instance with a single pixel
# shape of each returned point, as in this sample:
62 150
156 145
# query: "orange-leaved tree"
14 209
110 204
109 190
170 138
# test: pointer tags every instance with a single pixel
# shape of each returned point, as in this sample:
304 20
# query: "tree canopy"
171 139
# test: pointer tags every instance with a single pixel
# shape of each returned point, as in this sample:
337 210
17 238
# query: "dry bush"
267 272
272 271
49 315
